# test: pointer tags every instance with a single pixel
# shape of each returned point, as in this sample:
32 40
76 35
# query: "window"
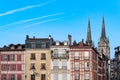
5 67
64 64
43 56
77 77
32 77
12 77
76 65
12 67
19 77
32 66
5 57
32 56
19 68
19 57
87 77
43 77
64 76
55 64
87 66
33 45
12 57
43 66
56 53
56 76
64 51
76 55
43 45
86 55
4 77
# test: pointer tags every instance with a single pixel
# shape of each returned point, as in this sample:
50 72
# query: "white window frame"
86 55
77 65
76 55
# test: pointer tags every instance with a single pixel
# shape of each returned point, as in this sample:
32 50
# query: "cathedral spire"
103 44
89 39
103 33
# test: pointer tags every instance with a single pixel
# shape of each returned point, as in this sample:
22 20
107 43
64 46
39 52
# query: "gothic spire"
103 33
89 39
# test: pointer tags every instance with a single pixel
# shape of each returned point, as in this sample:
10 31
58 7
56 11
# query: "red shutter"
18 57
19 67
19 77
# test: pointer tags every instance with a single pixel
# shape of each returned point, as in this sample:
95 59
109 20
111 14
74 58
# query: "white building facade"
60 62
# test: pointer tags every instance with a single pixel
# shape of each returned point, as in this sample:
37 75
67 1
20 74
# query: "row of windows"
56 77
43 66
10 57
11 77
77 77
11 67
33 56
77 66
56 51
86 77
77 55
43 77
43 55
37 45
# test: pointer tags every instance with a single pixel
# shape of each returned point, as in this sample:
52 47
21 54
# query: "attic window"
19 47
65 42
57 43
12 47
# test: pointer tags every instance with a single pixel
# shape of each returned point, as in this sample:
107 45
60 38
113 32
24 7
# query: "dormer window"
119 48
43 45
116 50
57 43
65 42
12 47
33 45
19 47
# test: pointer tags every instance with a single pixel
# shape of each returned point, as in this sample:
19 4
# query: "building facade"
85 63
12 62
117 63
113 69
60 62
37 61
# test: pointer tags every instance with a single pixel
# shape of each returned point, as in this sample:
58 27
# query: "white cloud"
24 8
33 19
41 22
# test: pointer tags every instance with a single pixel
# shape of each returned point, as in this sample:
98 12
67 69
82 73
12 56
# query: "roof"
13 47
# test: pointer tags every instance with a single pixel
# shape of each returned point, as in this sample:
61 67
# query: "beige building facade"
36 65
37 58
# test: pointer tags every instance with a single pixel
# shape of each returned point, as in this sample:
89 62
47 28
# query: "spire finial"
103 33
89 40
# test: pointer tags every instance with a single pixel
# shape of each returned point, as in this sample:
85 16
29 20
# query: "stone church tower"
103 44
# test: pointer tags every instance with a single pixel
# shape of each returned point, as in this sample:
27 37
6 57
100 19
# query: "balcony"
57 68
59 56
64 67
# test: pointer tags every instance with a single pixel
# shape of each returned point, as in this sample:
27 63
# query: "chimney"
33 37
69 39
27 36
49 37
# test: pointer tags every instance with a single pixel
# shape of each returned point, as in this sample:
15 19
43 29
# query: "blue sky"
58 18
